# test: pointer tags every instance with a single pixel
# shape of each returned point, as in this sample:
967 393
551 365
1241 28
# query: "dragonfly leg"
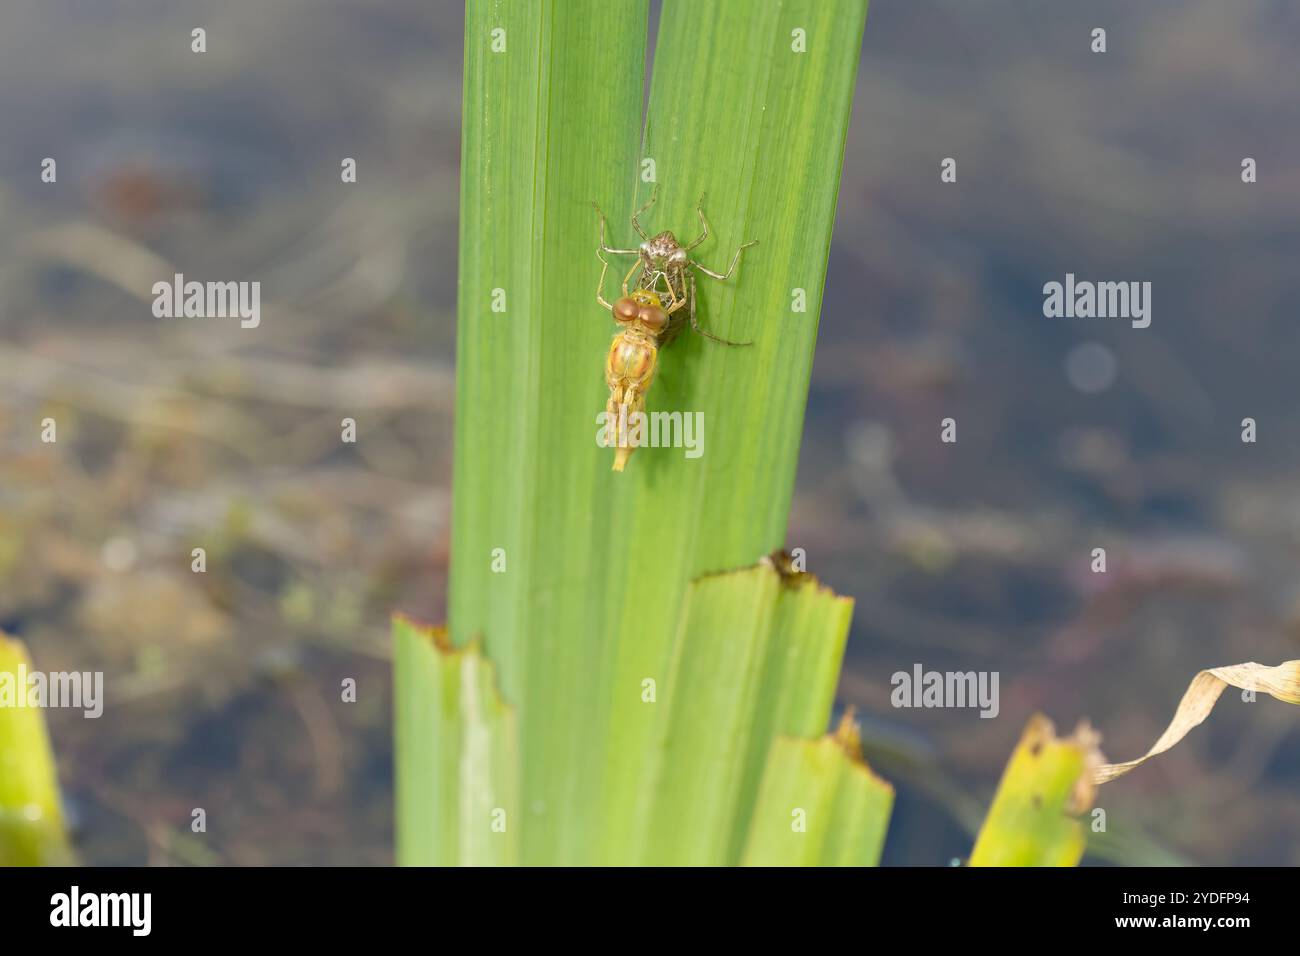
704 224
627 278
636 216
609 249
730 269
674 301
600 285
696 325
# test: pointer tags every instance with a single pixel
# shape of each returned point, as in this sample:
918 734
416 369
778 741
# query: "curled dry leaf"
1282 682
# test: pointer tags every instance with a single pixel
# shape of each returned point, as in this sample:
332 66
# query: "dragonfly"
658 300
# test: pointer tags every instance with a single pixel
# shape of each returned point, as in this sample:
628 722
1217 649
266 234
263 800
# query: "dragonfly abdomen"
629 371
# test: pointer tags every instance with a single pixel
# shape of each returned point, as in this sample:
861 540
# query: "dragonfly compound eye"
653 317
625 310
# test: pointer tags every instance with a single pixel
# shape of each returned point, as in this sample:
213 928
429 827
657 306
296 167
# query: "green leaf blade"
31 814
746 641
597 564
726 88
457 788
1046 782
819 805
550 125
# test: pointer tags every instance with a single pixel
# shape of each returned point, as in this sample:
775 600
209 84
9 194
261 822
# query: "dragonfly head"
641 308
